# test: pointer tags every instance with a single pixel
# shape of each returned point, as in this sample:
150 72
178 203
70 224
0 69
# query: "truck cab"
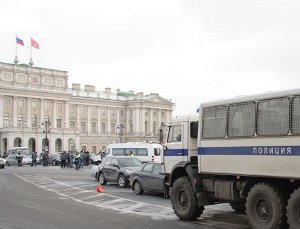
181 141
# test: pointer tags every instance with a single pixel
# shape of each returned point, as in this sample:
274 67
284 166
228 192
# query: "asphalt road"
51 197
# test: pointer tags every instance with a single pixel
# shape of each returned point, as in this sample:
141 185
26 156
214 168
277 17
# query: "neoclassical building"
39 111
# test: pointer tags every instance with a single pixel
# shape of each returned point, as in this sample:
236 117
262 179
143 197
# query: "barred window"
273 117
241 121
296 116
214 122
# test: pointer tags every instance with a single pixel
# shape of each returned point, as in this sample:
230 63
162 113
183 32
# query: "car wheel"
137 188
102 180
122 182
7 163
53 162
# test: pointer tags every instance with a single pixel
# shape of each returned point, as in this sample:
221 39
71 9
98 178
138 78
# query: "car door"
157 179
145 176
114 169
106 168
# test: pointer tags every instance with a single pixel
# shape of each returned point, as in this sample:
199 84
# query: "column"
158 120
78 125
118 117
54 112
67 114
136 122
28 112
108 121
127 124
151 121
99 120
168 117
42 108
1 110
142 123
15 111
89 120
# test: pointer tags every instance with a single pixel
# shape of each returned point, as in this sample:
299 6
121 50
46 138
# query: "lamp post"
46 125
121 129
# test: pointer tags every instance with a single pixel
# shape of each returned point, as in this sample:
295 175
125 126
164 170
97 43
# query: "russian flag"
19 41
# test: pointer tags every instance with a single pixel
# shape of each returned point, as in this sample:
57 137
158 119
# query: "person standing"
19 158
63 159
77 160
87 158
34 158
4 155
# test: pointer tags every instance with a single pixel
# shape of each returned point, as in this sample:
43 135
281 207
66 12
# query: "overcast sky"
189 51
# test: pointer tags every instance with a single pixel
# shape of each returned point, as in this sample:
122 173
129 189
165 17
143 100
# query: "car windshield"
129 162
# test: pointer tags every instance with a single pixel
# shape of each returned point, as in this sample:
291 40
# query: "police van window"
107 151
273 117
175 134
214 122
194 129
130 151
142 152
118 151
157 151
296 116
241 120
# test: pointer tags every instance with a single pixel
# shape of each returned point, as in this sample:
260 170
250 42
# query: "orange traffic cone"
99 188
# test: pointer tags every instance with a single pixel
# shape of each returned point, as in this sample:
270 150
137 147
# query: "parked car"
94 172
150 177
54 158
118 169
12 160
2 162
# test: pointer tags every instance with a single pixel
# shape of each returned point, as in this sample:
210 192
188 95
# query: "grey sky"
188 51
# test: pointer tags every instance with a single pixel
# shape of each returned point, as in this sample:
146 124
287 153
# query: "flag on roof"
34 44
19 41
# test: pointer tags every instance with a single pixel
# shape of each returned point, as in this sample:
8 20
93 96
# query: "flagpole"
16 61
30 62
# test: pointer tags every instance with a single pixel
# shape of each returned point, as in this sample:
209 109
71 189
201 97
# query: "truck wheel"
184 200
238 207
265 207
293 210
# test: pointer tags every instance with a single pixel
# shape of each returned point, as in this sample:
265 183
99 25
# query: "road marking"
102 200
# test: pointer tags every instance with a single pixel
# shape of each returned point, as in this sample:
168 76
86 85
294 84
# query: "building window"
94 149
113 128
21 103
35 80
162 114
58 123
82 110
103 112
72 124
33 121
113 112
122 113
7 76
60 82
6 121
154 114
72 109
83 127
21 78
47 105
48 81
154 127
7 102
20 120
103 130
59 106
131 128
93 110
34 104
146 113
94 129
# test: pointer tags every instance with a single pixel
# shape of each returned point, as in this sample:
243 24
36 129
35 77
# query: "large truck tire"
238 207
265 207
184 200
293 210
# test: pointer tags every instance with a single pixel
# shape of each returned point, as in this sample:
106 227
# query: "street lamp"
121 129
46 125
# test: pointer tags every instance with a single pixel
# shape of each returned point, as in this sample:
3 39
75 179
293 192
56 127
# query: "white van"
145 152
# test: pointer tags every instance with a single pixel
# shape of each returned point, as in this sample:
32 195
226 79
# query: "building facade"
39 111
